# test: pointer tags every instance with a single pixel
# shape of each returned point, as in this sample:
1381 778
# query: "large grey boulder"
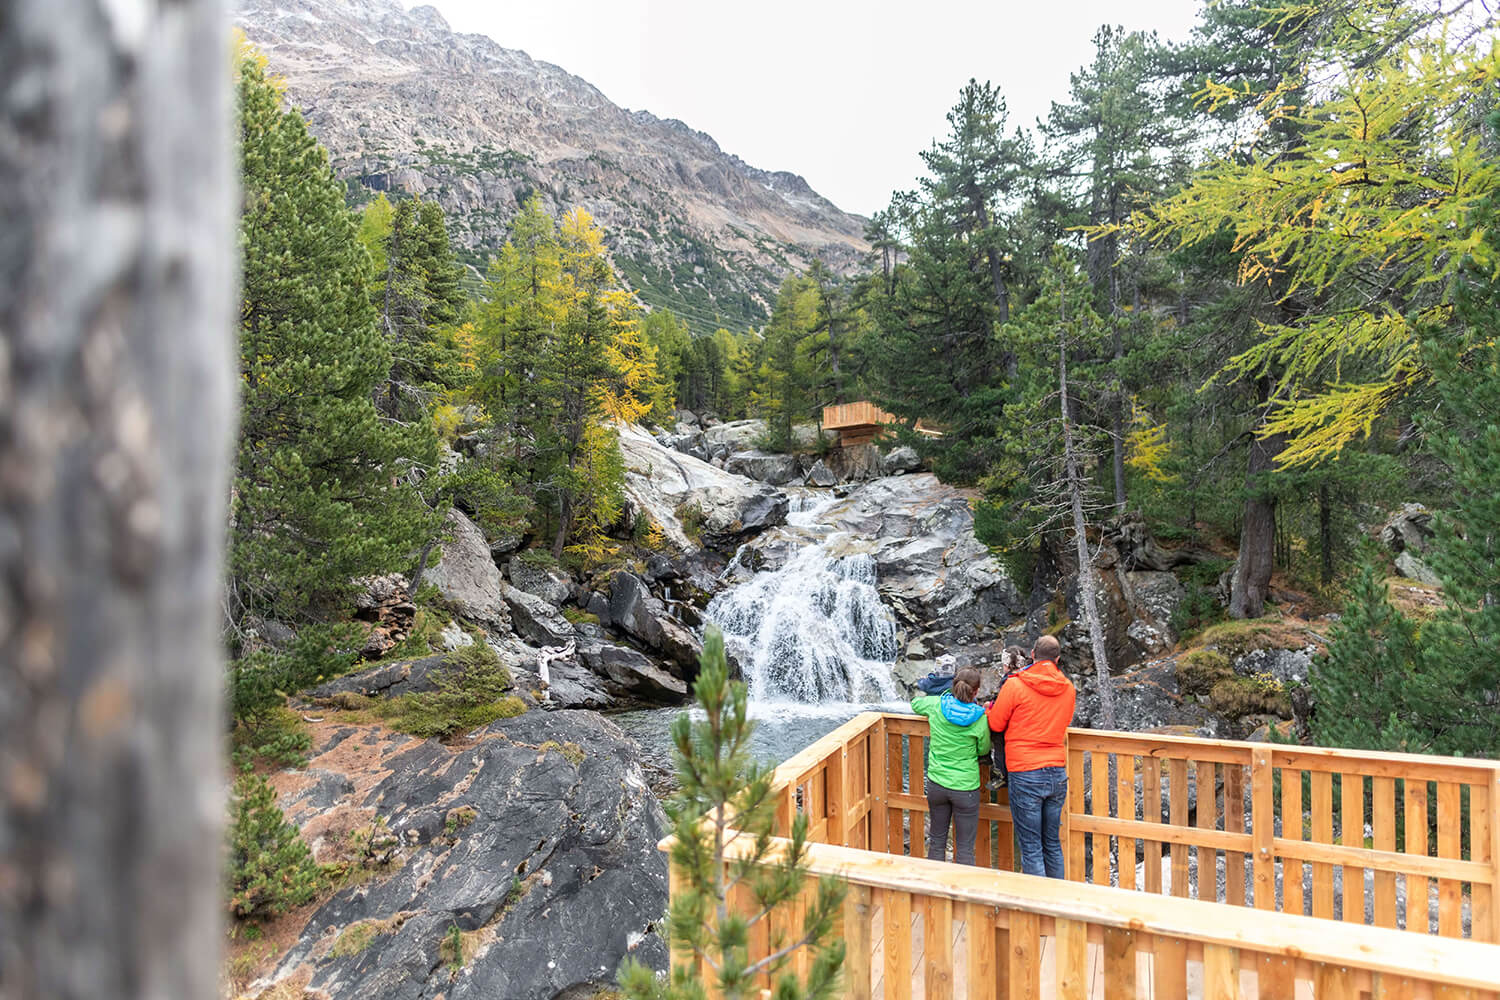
386 679
737 435
856 463
721 509
535 620
628 672
634 610
901 460
466 575
821 475
537 841
549 583
763 466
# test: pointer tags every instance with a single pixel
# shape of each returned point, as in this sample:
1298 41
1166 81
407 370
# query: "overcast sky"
843 92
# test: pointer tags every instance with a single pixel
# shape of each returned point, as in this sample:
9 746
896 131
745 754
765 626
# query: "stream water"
813 638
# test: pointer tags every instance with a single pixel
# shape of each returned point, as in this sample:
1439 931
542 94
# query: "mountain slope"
406 105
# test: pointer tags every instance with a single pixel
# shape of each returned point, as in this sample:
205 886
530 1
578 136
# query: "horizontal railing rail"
1388 840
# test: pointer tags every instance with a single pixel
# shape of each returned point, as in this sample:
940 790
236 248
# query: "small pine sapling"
724 819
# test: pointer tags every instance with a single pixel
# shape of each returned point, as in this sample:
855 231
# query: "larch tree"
1359 232
116 371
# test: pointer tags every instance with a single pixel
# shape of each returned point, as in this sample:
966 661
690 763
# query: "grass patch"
578 616
572 751
473 689
1236 638
459 818
355 938
692 519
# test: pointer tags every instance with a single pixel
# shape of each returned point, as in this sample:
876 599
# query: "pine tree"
1368 689
722 794
271 870
320 493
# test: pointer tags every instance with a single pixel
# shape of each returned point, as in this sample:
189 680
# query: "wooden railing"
929 929
1388 840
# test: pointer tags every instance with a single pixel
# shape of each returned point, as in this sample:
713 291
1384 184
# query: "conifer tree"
724 797
320 494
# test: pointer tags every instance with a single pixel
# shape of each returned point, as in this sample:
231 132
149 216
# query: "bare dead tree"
116 421
1088 578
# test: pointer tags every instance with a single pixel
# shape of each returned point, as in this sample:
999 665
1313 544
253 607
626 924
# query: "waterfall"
813 631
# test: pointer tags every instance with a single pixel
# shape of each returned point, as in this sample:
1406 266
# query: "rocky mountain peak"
408 106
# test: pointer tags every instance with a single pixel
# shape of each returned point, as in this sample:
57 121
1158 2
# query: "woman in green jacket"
957 736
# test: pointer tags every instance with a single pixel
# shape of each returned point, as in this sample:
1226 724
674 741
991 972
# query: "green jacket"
953 750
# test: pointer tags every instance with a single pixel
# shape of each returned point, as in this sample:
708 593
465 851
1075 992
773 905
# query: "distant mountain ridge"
405 104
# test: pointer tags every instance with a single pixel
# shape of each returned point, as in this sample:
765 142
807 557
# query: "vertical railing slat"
1025 956
1234 822
937 947
1099 850
1177 769
1206 818
1450 845
896 907
1221 972
1125 808
1291 829
1417 915
1072 943
1119 962
979 926
1074 844
1352 834
1263 827
1322 833
859 918
1383 835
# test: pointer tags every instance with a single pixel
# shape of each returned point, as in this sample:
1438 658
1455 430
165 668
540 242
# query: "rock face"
535 620
901 460
722 509
537 841
634 610
467 577
406 105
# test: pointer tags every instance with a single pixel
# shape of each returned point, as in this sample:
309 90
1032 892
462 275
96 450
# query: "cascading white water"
814 631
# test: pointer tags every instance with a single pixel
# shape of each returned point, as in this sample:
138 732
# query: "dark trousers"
962 809
997 756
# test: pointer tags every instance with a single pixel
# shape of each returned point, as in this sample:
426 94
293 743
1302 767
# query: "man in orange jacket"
1034 712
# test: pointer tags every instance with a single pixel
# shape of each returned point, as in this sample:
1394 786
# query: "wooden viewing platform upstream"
1398 902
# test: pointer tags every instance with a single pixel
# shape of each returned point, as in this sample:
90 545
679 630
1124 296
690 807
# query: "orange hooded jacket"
1034 713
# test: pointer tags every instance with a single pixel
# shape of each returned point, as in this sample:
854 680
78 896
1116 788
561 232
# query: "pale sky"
844 93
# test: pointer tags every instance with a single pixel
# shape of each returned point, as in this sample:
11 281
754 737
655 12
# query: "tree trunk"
117 381
1088 580
1325 534
1251 581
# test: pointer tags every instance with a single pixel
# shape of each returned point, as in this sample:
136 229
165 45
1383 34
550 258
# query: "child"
1012 661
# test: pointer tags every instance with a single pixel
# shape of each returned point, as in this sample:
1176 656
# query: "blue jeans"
1037 799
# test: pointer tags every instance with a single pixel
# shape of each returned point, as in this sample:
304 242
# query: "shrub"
270 869
471 692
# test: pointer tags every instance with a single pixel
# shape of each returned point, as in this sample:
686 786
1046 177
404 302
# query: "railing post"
1494 928
1263 828
836 779
1065 828
879 781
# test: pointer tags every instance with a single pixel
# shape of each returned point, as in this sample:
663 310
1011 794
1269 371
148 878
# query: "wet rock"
629 673
467 577
550 583
765 467
537 841
634 610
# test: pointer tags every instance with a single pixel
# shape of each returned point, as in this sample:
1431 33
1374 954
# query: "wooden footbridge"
1196 868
